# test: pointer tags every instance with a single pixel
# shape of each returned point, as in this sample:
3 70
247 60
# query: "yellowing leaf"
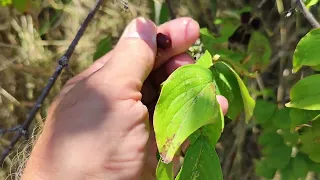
187 102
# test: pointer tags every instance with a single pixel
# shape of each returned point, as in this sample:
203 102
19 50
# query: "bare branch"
62 63
302 8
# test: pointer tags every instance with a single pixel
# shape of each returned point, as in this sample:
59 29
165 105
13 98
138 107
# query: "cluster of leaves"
187 108
287 145
291 136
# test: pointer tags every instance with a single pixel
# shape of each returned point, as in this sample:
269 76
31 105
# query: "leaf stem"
283 59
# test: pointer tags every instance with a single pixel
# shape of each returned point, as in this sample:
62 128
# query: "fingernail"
191 26
141 28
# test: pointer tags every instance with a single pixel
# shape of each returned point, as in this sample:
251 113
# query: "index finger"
183 32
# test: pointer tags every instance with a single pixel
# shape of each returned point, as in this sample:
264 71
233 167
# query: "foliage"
285 139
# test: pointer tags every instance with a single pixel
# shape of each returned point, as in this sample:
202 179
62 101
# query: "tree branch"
302 8
62 63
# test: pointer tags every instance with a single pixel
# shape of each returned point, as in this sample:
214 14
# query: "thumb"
134 55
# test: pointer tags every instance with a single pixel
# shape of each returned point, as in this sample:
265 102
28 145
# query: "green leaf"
282 119
205 60
215 44
310 3
304 95
299 166
49 18
264 111
248 102
21 5
260 50
201 162
104 46
300 117
227 85
5 2
270 139
277 154
310 139
306 52
315 167
187 102
262 169
213 8
159 12
290 137
211 131
164 171
239 68
286 172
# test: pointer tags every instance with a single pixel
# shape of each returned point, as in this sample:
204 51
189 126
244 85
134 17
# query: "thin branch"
303 9
170 8
62 63
4 131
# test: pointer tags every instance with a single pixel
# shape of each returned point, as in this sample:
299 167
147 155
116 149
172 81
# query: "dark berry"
255 23
237 35
163 41
245 17
246 39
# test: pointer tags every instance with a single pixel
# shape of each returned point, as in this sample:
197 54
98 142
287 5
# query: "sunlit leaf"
187 102
248 102
164 171
227 85
104 46
310 3
306 52
211 131
201 162
260 50
205 60
304 95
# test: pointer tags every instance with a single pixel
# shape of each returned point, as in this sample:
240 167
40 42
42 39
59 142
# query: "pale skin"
100 125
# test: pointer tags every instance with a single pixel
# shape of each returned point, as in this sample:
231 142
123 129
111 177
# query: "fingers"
162 73
93 68
223 103
183 33
135 52
178 61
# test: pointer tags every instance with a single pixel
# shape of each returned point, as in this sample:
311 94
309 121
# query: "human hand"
98 126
